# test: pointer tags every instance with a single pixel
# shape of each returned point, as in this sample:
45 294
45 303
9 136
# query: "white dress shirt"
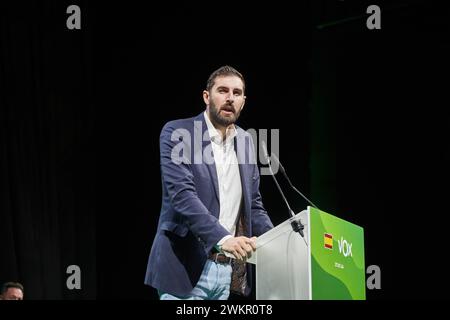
228 177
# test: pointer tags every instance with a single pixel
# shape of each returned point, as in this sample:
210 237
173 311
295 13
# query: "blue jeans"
214 284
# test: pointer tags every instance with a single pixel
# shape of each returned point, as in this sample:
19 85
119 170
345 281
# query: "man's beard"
216 116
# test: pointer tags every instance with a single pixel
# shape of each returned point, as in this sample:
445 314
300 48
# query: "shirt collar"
215 134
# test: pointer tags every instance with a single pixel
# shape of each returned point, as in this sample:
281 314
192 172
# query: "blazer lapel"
206 143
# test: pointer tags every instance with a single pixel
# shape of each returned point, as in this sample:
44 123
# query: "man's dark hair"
222 72
8 285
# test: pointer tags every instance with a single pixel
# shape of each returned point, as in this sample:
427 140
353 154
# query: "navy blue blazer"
188 226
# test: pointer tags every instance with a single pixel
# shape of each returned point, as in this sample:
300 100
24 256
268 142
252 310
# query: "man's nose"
230 97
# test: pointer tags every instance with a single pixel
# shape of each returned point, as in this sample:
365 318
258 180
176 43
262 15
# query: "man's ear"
206 97
245 98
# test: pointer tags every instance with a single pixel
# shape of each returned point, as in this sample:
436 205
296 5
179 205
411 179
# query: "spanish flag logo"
328 241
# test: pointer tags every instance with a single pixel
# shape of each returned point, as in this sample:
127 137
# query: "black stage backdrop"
361 116
47 159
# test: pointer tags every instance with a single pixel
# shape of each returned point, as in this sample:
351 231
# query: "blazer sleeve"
261 222
179 181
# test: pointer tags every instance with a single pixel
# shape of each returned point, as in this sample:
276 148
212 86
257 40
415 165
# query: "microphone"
297 226
283 171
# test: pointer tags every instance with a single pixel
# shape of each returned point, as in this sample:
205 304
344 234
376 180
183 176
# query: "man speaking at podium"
211 204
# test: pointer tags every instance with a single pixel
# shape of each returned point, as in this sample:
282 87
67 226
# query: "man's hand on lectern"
240 247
